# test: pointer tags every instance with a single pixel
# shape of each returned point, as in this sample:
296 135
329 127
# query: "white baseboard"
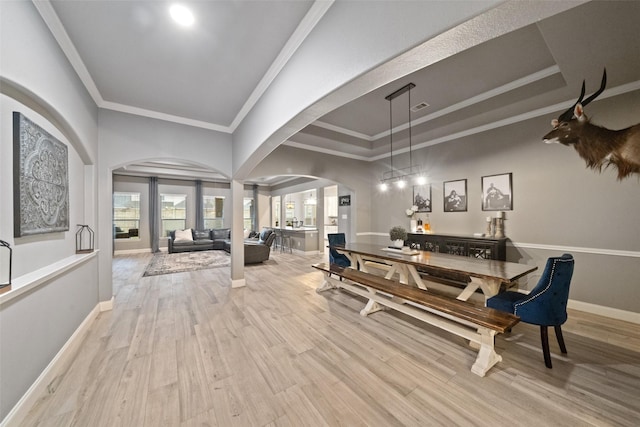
132 251
19 412
600 310
106 305
238 283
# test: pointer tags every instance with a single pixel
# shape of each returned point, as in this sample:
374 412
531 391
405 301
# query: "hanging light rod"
400 176
400 91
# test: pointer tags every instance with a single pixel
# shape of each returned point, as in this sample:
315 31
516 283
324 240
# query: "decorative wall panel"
40 180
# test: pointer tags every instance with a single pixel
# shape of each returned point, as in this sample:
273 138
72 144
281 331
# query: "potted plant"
398 235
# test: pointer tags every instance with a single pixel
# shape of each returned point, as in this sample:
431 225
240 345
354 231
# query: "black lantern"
84 239
6 259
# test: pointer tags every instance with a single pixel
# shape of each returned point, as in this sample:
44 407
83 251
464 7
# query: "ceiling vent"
419 107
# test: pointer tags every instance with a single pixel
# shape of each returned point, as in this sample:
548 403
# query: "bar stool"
277 242
285 242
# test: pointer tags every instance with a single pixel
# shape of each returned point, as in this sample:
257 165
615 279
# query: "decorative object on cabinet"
497 193
455 195
6 260
489 231
398 235
84 239
422 197
40 180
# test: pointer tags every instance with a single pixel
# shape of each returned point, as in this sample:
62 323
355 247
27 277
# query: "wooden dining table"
487 275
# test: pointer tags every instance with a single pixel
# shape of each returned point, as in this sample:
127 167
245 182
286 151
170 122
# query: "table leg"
392 270
416 277
490 287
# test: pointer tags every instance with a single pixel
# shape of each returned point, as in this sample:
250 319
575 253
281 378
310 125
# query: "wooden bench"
474 322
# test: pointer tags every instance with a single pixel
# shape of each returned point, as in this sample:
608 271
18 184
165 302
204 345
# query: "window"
173 212
212 208
126 215
247 213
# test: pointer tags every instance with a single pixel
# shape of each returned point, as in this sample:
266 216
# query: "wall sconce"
6 259
84 239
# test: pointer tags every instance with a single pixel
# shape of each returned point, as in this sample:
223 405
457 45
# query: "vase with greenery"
398 235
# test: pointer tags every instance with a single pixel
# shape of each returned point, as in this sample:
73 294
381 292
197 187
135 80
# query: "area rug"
186 261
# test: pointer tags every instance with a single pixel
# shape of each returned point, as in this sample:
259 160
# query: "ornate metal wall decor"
40 180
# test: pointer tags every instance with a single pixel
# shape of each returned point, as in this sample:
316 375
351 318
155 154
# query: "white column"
237 238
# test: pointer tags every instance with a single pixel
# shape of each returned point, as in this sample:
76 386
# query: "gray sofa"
256 249
202 240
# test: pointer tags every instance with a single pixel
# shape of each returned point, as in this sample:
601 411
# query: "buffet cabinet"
469 246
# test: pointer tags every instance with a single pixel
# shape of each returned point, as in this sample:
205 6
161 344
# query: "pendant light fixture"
400 176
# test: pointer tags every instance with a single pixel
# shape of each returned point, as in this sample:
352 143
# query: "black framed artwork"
344 200
497 192
422 197
455 195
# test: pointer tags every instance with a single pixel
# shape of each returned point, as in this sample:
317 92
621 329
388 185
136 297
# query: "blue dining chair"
545 305
335 257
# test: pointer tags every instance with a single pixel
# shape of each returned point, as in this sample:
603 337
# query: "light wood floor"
187 350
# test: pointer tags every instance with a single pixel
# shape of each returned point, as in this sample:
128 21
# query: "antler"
602 86
567 115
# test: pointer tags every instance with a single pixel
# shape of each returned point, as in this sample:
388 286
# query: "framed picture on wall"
455 195
422 197
344 200
497 192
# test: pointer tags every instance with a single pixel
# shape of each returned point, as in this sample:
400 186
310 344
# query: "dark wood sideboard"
469 246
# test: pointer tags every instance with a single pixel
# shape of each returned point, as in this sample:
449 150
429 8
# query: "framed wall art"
40 180
455 195
344 200
422 197
497 192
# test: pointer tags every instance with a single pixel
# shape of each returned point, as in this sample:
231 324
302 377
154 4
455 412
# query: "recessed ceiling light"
181 15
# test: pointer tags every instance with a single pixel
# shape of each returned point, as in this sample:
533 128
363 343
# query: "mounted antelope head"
598 146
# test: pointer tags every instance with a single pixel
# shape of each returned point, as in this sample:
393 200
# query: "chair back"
270 238
546 304
336 239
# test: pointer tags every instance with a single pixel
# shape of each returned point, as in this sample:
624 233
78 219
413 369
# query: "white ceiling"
132 58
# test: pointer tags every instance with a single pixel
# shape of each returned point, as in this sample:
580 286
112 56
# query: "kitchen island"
303 239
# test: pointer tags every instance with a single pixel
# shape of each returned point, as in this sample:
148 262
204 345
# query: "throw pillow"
246 233
184 236
264 235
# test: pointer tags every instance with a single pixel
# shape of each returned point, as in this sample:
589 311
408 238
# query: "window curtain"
199 207
154 229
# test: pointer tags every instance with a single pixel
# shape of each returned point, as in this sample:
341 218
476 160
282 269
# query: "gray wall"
126 139
353 175
36 79
558 204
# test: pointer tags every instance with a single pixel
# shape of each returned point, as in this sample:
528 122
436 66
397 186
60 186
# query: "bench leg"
371 307
487 356
326 284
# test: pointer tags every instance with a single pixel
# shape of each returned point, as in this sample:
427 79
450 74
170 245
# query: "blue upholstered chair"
334 256
545 305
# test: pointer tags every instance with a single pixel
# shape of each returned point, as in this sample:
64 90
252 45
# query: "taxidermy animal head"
598 146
